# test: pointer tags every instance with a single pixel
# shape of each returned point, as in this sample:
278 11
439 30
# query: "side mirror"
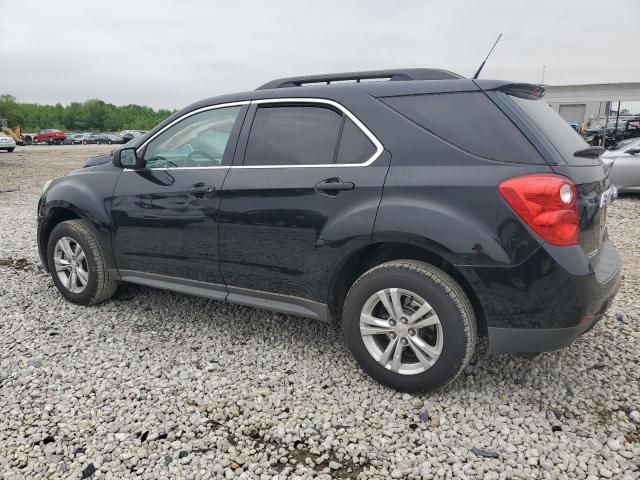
127 158
634 151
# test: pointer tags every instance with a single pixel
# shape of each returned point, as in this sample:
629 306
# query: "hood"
99 160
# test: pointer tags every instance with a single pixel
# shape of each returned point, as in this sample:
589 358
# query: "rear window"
564 138
471 122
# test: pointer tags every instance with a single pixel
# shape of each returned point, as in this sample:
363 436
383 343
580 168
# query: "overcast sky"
166 53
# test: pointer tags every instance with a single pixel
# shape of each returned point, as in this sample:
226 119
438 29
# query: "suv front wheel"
77 264
409 325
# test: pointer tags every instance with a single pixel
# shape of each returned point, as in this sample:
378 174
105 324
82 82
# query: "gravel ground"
153 384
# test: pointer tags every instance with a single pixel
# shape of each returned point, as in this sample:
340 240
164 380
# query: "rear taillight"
547 203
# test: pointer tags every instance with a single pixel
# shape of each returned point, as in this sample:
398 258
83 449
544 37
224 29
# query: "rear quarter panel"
438 194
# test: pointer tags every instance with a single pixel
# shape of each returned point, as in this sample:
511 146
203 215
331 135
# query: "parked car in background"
69 139
112 138
128 135
345 202
82 138
51 136
7 143
98 138
624 163
616 132
105 138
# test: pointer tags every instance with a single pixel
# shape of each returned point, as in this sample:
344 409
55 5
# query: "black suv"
421 210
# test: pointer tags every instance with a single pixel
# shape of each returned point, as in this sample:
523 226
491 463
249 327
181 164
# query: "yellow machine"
15 132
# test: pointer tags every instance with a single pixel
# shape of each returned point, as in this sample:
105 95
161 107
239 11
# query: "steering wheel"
162 159
189 162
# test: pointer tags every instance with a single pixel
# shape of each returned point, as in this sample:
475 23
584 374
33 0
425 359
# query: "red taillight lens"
547 203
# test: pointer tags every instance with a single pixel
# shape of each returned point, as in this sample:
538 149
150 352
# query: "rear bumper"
548 301
535 340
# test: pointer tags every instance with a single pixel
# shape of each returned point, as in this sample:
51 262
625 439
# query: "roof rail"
406 74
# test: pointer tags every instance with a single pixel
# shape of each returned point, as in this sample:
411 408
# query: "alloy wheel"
401 331
71 265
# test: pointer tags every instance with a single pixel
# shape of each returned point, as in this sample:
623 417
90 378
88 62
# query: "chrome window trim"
377 144
354 119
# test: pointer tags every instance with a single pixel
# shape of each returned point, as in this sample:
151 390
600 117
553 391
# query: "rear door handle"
199 190
333 186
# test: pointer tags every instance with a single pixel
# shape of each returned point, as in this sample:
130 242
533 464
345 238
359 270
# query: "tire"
100 285
10 150
455 336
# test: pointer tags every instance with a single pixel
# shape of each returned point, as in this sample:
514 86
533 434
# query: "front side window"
293 135
197 141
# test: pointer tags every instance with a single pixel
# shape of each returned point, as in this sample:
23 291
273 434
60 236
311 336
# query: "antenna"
487 57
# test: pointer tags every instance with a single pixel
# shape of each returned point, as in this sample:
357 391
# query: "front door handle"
333 186
199 190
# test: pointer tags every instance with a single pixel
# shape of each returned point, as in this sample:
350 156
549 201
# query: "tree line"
89 116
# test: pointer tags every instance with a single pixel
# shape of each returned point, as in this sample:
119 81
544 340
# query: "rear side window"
469 121
293 135
355 146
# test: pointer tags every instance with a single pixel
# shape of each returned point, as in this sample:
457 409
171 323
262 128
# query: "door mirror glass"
127 158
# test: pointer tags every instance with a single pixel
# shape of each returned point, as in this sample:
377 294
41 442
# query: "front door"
305 187
165 216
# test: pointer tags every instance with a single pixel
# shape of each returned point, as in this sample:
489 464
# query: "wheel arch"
56 216
56 212
375 254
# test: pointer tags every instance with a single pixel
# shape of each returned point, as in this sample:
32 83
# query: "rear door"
165 216
305 185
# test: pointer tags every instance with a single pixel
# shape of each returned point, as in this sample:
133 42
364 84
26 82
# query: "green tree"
92 115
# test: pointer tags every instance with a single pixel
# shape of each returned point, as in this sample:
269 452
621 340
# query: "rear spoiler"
523 90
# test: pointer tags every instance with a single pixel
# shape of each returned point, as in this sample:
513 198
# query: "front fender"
78 196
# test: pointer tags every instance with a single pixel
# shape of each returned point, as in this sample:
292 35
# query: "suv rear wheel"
77 265
409 325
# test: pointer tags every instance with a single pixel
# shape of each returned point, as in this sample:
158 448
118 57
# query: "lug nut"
403 320
412 332
392 322
392 335
404 341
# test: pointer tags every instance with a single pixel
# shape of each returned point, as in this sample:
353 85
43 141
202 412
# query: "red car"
50 135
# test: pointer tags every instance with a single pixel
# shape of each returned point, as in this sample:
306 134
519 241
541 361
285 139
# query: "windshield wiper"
590 152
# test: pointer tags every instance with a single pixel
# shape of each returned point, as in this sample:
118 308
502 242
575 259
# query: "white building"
588 104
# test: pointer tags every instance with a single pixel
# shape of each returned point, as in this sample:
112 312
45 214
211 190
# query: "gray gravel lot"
154 384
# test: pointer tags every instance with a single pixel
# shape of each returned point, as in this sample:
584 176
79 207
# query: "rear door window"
355 146
471 122
293 135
